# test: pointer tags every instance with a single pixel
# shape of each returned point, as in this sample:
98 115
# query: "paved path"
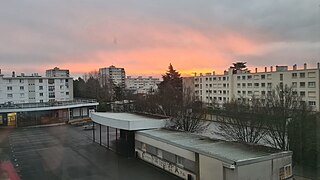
65 152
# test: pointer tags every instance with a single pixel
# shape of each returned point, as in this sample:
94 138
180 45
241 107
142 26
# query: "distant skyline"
144 36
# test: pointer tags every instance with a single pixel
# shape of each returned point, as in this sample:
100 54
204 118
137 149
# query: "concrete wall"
210 168
260 170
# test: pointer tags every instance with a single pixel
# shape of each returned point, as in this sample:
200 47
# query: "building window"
312 103
285 172
302 84
50 81
21 95
269 85
302 75
40 87
159 153
51 88
9 88
238 85
263 76
40 94
41 101
238 77
9 81
21 81
281 77
294 84
311 84
40 80
21 88
179 160
256 85
9 95
311 74
51 95
269 76
294 75
263 84
243 77
249 85
67 93
311 94
302 93
249 77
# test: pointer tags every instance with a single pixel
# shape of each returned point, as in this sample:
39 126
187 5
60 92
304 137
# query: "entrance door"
12 119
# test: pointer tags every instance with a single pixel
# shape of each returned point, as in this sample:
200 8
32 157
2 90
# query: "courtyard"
67 152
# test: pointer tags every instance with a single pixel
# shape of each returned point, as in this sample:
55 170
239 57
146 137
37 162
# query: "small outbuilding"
191 156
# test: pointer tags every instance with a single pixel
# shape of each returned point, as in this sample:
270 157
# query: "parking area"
67 152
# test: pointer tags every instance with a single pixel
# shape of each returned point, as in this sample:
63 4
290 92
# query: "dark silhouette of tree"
170 91
239 66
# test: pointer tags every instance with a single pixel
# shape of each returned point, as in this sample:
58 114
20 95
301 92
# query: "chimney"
256 70
13 74
318 65
213 73
270 68
294 67
265 69
305 65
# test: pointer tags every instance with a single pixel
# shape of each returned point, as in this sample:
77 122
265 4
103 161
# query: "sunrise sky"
144 36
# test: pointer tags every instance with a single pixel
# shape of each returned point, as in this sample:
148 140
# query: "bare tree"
188 121
242 121
283 105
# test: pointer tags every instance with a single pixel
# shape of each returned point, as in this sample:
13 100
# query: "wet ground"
67 152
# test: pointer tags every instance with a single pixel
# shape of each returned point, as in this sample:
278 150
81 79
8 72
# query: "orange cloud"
147 49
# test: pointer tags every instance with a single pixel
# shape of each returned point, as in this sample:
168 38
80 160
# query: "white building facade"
35 89
142 85
112 74
211 88
34 100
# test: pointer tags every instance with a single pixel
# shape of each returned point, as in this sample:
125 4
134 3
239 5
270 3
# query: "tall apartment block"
56 72
232 84
142 85
112 74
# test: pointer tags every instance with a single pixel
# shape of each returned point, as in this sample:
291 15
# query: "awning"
127 121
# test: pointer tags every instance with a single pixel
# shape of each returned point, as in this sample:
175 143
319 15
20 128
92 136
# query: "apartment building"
56 72
142 85
35 89
27 100
211 88
112 74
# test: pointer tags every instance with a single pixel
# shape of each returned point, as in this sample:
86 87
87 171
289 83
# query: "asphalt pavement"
67 152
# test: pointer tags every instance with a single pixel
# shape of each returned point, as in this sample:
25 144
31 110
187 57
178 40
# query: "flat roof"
127 121
227 151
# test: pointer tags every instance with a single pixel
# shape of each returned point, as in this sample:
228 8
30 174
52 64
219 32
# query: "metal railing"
46 104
